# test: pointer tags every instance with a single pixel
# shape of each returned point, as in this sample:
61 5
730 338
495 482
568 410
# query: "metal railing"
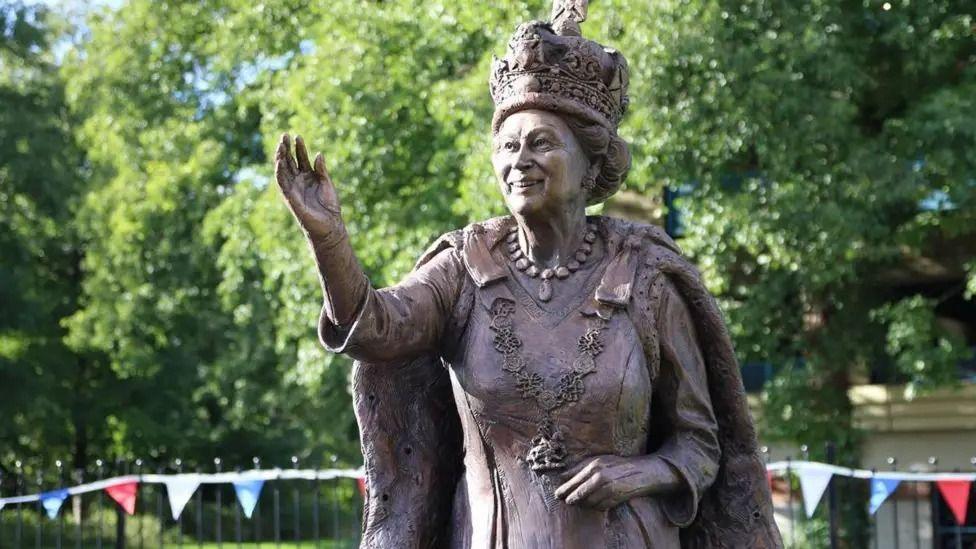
313 510
914 516
322 508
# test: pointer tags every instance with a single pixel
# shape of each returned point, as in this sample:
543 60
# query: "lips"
524 183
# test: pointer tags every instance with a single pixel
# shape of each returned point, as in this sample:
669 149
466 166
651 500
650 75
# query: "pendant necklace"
561 272
548 450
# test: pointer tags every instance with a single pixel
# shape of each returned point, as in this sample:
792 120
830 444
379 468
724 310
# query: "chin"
524 205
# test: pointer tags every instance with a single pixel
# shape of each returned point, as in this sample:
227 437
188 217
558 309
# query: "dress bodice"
508 504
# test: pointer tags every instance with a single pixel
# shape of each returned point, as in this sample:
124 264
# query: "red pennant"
769 479
124 495
361 483
956 494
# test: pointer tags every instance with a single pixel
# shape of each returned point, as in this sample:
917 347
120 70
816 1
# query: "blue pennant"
52 501
881 488
248 492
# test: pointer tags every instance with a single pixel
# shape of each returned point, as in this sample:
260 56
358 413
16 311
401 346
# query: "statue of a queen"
545 379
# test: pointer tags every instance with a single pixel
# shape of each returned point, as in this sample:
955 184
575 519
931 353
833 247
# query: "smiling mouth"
524 183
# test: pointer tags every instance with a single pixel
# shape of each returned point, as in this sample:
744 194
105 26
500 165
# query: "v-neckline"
551 318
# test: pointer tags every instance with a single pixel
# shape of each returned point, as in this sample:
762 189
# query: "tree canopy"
158 301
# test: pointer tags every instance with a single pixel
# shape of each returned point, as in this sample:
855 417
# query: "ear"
592 171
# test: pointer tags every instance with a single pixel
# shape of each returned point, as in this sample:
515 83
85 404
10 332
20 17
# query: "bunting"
180 489
52 501
248 492
956 494
881 488
813 483
125 495
814 480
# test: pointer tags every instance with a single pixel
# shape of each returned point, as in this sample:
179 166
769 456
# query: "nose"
524 159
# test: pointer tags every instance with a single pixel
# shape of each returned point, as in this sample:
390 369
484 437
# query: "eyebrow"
504 138
548 128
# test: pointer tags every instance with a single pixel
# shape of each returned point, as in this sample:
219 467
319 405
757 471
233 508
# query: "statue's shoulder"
647 262
653 244
472 245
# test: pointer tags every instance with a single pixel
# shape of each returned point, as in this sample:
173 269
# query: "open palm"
307 189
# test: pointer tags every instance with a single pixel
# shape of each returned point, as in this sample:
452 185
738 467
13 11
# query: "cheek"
499 163
566 171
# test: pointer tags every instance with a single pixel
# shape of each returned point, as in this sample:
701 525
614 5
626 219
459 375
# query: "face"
539 164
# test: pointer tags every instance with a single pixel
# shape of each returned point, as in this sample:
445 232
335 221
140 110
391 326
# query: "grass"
330 544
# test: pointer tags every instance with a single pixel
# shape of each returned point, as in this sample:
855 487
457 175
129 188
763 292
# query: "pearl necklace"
524 264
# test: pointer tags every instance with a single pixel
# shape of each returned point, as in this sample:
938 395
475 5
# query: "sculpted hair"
604 148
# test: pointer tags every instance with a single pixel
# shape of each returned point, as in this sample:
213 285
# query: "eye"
541 143
510 146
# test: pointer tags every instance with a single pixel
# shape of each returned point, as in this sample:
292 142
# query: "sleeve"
681 391
401 321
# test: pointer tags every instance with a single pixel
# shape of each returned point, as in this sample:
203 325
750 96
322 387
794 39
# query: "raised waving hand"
308 190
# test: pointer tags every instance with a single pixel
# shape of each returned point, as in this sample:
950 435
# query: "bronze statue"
544 379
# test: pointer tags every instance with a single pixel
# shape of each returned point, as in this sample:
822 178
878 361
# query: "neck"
551 240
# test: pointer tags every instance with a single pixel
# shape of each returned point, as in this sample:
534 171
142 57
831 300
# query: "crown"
552 67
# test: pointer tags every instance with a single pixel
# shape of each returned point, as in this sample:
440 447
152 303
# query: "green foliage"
158 301
829 145
924 353
42 383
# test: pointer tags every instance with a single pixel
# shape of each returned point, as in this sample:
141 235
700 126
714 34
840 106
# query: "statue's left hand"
607 481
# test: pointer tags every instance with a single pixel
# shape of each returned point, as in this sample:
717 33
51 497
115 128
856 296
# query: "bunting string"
814 479
200 478
835 470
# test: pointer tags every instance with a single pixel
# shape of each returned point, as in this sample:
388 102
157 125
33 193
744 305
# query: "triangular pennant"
248 492
124 495
881 488
813 483
956 494
180 489
52 501
361 484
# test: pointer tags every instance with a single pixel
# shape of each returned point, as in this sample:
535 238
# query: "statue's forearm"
344 285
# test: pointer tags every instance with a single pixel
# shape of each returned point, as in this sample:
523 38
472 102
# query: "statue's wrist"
327 241
659 476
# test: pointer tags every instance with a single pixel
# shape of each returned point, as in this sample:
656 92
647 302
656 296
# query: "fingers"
320 167
302 154
284 167
593 483
582 472
290 160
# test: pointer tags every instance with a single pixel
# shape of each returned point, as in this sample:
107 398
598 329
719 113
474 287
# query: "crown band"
594 95
545 69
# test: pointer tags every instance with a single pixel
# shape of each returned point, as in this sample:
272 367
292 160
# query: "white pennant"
180 489
813 483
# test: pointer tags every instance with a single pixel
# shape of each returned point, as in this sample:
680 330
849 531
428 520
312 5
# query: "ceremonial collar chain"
524 264
547 451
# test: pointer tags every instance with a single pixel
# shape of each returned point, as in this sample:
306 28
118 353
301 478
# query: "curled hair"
605 149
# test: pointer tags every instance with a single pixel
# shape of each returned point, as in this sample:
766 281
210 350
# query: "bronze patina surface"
545 379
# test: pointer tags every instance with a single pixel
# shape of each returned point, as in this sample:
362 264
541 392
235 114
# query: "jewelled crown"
550 66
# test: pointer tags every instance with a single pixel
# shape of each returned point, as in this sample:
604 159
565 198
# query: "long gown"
652 372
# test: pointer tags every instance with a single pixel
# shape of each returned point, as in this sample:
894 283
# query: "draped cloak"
411 435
